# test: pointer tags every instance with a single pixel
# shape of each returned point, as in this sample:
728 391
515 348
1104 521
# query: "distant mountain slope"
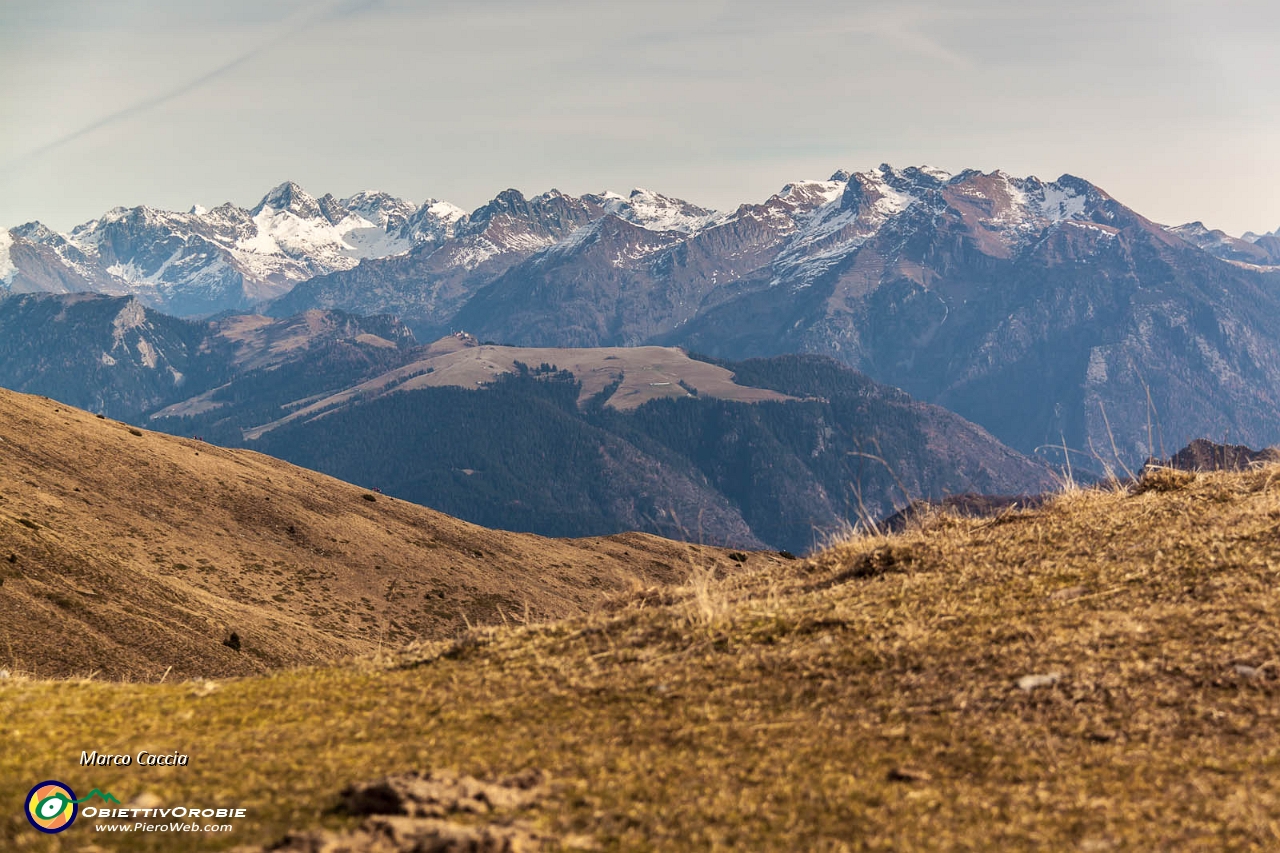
1253 249
628 377
130 553
107 354
518 455
1045 312
790 450
114 356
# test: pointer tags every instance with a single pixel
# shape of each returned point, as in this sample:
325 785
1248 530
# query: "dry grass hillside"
129 553
1099 673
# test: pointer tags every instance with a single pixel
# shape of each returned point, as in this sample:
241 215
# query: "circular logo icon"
51 806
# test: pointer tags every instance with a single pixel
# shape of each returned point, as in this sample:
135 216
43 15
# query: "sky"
1172 107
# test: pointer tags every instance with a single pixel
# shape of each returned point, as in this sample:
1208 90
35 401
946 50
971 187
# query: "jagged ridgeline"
113 356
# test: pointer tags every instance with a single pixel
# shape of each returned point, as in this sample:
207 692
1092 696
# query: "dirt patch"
439 794
416 813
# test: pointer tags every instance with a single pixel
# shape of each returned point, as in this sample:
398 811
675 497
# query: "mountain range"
204 261
775 452
1047 312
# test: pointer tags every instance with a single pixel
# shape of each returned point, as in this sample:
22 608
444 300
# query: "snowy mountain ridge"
232 258
203 261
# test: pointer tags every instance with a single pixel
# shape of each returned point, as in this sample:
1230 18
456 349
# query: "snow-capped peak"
1057 201
378 208
444 211
811 193
209 260
289 197
841 217
655 211
1016 205
435 220
878 194
7 269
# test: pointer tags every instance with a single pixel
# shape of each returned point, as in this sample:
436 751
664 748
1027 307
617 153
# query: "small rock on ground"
1031 682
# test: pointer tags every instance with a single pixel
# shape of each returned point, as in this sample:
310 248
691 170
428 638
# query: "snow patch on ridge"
891 203
7 270
577 237
655 211
808 192
284 232
360 238
835 230
1059 204
475 251
445 211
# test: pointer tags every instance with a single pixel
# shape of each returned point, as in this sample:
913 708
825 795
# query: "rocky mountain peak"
331 208
1253 237
433 222
1261 250
379 208
1192 230
509 200
878 194
292 198
36 232
654 211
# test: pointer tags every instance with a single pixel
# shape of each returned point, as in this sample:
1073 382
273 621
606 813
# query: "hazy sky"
1173 107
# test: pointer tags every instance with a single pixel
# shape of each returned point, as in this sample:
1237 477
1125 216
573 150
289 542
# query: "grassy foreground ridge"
1097 674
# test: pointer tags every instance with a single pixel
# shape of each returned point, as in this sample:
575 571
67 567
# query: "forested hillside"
521 454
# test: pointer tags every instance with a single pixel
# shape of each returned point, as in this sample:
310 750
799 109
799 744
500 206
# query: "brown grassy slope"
868 700
129 552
